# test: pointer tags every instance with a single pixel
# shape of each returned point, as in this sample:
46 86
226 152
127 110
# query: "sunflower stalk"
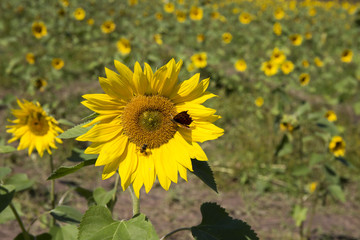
52 191
18 219
135 201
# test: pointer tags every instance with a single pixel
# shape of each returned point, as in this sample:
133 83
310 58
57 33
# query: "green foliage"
203 171
299 214
6 195
20 181
66 214
7 149
63 171
337 192
217 224
67 232
97 223
102 197
75 131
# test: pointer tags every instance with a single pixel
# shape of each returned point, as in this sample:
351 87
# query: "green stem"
135 201
175 231
116 186
52 191
25 233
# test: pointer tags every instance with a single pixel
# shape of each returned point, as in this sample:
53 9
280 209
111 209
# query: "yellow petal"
205 131
112 150
101 133
128 165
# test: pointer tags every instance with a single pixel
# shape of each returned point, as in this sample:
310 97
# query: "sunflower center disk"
38 124
148 120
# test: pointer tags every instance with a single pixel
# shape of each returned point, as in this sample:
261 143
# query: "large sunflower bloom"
149 125
34 128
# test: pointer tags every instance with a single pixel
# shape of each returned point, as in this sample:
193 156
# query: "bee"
143 149
183 119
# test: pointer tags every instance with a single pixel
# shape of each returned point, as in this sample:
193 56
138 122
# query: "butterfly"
183 119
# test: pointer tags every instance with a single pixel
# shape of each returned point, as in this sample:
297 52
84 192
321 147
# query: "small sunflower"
65 3
308 35
330 116
245 18
287 67
199 59
159 16
196 13
139 131
40 84
318 62
304 79
286 126
57 63
123 46
305 63
226 37
108 27
269 68
214 15
259 101
240 65
133 2
79 14
277 28
279 13
158 39
312 12
34 128
180 16
200 38
296 39
169 7
90 21
39 29
346 56
30 58
311 187
278 56
337 146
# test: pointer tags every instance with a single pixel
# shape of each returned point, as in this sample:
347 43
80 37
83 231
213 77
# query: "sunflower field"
109 105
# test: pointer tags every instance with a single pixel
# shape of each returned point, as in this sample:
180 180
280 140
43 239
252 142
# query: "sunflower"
305 63
39 29
159 16
196 13
308 35
79 14
123 46
286 126
312 187
133 2
200 38
34 128
287 67
346 56
226 37
279 13
169 7
278 56
158 39
269 68
330 116
108 27
277 28
240 65
199 59
149 125
214 15
40 84
259 102
65 3
304 79
312 12
318 62
337 146
245 18
90 21
296 39
180 16
30 58
57 63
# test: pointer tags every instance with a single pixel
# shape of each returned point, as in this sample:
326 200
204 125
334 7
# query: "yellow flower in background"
199 59
240 65
215 15
312 187
190 67
318 62
39 29
200 37
158 39
277 28
123 46
65 3
245 18
90 21
346 56
196 13
308 35
34 128
305 63
296 39
180 16
331 116
40 84
79 14
57 63
61 12
181 2
30 58
278 56
159 16
169 7
312 12
287 67
108 27
222 18
149 124
337 146
227 37
133 2
286 126
279 13
235 10
304 79
269 68
259 102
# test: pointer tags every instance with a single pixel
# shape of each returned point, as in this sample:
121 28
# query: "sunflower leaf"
67 232
66 214
76 131
217 224
6 195
203 171
63 171
7 149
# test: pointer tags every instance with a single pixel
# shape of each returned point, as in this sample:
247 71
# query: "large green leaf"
4 171
6 195
63 171
216 224
78 155
337 192
8 215
203 171
97 223
20 181
7 149
299 214
102 197
66 214
67 232
76 131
